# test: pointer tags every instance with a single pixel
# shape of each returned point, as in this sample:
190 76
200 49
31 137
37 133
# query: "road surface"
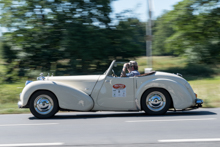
199 127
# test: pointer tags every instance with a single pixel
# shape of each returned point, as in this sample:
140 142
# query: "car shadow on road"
93 115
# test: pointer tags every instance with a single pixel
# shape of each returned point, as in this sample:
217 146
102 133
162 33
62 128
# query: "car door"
117 93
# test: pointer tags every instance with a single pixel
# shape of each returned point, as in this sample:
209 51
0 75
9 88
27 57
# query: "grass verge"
205 85
9 97
208 90
12 108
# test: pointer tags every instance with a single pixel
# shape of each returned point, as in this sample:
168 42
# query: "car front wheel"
155 101
43 104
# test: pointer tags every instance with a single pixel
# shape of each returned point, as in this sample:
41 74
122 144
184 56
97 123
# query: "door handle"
107 81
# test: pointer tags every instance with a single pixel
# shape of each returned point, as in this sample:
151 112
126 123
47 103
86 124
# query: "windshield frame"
110 67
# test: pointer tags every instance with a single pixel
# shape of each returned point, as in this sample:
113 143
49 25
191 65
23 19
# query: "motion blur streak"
32 144
172 120
10 125
190 140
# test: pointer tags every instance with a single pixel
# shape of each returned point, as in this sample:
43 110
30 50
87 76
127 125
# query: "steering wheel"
113 73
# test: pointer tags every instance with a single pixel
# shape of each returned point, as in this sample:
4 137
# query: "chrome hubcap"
43 104
156 101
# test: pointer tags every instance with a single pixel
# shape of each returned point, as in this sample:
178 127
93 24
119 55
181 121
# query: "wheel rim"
156 101
43 104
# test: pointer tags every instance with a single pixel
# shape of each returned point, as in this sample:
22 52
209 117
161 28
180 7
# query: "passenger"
132 68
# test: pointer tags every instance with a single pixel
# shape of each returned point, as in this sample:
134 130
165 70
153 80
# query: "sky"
140 7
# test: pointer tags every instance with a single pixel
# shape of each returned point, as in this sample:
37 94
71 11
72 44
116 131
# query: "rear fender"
68 97
179 93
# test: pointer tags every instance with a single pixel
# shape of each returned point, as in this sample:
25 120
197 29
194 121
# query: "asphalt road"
199 127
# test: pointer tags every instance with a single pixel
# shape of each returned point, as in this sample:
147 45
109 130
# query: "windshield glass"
116 69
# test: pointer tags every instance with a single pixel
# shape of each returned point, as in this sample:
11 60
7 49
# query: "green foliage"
45 33
2 67
192 71
171 64
207 88
192 30
132 30
196 24
161 31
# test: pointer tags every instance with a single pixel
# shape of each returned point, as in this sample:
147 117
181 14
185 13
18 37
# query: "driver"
132 68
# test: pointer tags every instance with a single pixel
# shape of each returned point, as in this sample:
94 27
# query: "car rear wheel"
43 104
155 101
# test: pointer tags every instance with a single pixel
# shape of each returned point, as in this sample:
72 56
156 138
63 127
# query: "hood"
84 83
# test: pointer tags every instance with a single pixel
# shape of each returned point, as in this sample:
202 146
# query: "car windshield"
110 67
117 68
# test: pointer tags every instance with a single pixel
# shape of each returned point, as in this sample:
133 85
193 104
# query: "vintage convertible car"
154 92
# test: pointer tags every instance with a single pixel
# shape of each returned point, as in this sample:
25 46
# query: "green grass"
179 65
9 96
203 81
162 62
9 93
12 108
208 90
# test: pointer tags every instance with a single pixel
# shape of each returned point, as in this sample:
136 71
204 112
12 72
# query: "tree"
162 30
45 33
132 33
196 24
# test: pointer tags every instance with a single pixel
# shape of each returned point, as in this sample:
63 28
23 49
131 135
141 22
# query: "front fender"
68 97
179 93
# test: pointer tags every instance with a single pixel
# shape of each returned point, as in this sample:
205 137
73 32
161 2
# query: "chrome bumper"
199 102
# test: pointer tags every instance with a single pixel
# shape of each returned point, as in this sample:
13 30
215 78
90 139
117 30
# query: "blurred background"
79 37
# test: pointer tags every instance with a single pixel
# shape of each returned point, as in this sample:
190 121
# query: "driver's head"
133 64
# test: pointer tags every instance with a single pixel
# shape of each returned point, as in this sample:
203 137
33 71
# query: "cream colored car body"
93 93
